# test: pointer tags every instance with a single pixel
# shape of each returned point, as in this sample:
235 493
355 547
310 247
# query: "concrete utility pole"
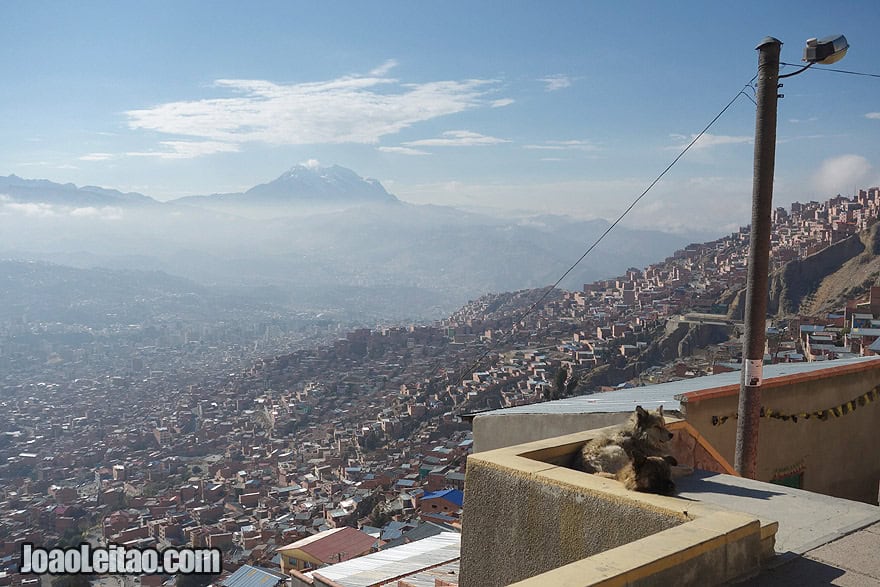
749 411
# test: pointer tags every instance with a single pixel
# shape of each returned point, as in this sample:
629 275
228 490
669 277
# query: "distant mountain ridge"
43 191
305 184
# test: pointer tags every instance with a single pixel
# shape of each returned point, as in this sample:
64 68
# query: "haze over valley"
320 239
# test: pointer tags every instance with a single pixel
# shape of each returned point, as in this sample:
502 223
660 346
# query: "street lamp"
825 50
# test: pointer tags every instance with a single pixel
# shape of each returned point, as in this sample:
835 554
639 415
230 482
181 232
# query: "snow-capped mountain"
308 184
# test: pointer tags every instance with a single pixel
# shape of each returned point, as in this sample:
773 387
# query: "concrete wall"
838 456
719 549
500 430
517 525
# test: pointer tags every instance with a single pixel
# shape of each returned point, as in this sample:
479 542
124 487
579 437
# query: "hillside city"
290 447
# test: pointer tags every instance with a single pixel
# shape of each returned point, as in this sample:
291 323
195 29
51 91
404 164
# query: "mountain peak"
312 183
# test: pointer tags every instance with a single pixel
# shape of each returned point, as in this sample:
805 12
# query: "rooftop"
396 563
249 576
453 495
806 519
849 560
337 544
818 538
687 390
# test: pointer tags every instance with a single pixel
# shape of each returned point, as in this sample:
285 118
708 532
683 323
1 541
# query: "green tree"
559 382
572 384
379 516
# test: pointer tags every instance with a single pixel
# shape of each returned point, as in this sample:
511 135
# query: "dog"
648 474
645 433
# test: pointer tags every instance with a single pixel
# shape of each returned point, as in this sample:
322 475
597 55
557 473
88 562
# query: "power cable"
611 227
817 68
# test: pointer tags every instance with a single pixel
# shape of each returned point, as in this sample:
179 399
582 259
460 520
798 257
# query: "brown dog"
648 474
645 433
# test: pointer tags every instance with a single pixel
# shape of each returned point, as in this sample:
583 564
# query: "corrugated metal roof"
448 572
453 495
338 544
248 576
665 394
393 563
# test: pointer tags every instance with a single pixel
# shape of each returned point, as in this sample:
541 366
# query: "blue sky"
554 107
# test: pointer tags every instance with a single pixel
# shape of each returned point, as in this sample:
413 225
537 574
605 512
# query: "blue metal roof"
812 328
248 576
453 495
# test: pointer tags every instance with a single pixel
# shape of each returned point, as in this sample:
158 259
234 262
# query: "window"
795 480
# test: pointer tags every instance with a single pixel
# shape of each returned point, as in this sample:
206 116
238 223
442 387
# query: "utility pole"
749 411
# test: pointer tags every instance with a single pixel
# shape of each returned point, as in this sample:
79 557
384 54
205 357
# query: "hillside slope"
823 281
852 280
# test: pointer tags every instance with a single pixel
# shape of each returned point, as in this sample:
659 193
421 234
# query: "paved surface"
821 540
851 561
806 520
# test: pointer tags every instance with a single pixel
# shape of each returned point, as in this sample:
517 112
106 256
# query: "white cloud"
502 102
556 82
839 175
187 149
564 146
403 151
45 210
97 157
384 68
707 141
311 163
457 138
30 208
873 115
350 109
801 120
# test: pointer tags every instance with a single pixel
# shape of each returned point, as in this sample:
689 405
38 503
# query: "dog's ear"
641 414
660 411
671 460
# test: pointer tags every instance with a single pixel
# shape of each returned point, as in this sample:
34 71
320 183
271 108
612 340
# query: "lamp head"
826 50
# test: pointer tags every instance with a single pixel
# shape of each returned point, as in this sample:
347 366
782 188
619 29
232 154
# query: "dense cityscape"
262 435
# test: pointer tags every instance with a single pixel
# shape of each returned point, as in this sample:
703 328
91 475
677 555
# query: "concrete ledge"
529 521
707 551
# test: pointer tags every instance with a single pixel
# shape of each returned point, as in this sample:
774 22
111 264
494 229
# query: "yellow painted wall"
839 456
297 559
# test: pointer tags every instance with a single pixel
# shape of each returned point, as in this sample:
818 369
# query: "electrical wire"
817 68
611 227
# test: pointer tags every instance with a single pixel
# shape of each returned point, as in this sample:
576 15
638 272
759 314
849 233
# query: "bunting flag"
833 412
